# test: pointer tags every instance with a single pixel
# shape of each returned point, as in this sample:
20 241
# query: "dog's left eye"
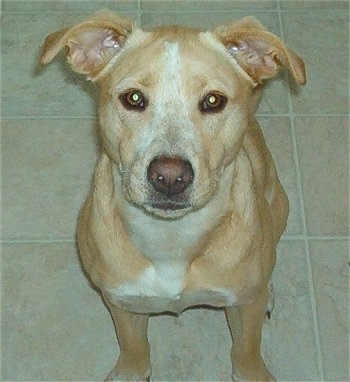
212 102
133 100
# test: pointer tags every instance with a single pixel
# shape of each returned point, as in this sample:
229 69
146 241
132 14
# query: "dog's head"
174 101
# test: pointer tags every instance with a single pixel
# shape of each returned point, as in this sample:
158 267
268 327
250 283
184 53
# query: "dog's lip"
166 210
169 205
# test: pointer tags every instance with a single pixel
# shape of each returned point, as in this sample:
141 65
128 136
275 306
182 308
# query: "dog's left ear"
260 53
91 44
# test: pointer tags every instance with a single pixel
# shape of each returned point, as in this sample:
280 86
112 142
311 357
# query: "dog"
186 208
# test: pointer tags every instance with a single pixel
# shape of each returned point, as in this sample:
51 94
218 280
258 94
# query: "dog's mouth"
169 205
168 210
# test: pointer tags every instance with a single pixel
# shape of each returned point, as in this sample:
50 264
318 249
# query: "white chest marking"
165 279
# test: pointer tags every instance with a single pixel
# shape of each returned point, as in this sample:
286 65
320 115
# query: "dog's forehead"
177 60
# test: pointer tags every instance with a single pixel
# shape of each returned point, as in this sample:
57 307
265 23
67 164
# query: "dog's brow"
132 82
218 84
126 83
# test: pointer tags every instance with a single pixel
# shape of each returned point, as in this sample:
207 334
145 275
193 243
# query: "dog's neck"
164 239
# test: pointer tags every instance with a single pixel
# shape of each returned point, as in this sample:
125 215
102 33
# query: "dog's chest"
162 286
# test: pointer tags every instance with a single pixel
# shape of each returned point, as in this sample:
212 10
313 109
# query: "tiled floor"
54 326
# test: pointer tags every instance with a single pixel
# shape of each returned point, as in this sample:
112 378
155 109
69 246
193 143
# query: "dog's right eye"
133 100
213 102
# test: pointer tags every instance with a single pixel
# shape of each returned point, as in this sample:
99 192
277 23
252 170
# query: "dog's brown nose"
170 175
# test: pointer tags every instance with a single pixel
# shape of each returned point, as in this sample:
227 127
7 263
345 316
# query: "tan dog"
186 207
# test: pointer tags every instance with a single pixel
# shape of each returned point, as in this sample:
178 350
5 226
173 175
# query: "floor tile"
323 45
324 161
29 89
329 260
203 5
68 5
291 326
207 20
313 4
54 325
47 165
277 134
196 346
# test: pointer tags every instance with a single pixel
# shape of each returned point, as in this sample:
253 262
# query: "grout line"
303 219
37 241
71 12
314 237
139 14
296 115
26 117
62 240
175 11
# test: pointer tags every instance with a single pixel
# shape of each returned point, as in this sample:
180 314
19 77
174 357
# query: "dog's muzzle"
169 178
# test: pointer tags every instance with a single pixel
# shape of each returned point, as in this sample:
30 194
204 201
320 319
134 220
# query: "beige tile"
329 260
278 138
68 5
204 5
289 342
192 347
275 98
313 4
30 90
207 20
323 155
54 325
321 39
46 171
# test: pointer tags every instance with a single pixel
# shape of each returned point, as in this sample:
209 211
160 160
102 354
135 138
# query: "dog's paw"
236 377
130 377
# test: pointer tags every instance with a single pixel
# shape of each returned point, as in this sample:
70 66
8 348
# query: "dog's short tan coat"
176 92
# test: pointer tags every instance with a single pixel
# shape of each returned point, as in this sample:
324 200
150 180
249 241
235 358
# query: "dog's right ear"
91 44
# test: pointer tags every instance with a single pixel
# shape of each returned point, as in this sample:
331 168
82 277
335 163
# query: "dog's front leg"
245 324
134 360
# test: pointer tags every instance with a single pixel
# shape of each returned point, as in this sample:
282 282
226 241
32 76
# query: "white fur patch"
164 279
170 79
161 288
172 60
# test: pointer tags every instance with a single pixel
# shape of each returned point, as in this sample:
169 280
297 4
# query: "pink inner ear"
92 48
253 53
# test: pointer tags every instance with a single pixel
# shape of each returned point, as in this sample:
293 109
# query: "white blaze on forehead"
170 130
170 76
172 60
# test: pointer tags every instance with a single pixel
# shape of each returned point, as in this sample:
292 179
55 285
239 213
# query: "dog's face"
174 102
173 115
